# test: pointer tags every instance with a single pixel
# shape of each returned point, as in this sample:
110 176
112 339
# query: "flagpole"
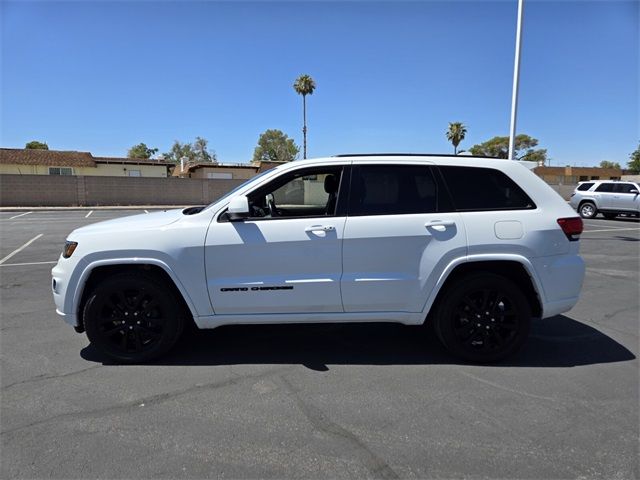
516 77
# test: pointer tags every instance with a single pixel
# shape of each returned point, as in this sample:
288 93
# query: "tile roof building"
54 162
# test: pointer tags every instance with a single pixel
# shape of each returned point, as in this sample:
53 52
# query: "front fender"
78 280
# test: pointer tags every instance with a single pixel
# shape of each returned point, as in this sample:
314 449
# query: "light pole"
516 75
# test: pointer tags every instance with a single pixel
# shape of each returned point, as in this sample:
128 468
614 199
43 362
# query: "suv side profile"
609 197
477 247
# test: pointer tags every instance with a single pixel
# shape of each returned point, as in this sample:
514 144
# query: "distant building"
573 175
19 161
222 171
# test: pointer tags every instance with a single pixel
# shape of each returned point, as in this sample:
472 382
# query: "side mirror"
238 208
633 190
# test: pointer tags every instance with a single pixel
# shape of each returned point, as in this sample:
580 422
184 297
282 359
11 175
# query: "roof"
190 167
136 161
52 158
60 158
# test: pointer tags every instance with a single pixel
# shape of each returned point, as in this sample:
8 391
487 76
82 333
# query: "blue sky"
102 76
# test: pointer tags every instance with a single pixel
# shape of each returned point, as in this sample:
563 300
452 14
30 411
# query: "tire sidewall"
173 319
595 210
470 284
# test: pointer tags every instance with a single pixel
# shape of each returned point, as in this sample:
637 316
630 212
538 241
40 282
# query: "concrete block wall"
53 190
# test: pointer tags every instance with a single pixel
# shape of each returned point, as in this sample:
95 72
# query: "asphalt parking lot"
332 401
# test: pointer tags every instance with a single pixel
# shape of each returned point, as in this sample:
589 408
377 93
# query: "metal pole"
516 75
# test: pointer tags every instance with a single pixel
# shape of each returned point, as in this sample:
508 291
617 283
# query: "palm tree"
304 85
456 134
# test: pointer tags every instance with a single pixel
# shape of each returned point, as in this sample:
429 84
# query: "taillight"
572 227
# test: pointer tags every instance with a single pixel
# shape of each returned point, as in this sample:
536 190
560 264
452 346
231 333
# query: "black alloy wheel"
483 318
132 318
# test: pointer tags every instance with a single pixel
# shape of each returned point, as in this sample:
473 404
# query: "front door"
287 256
625 197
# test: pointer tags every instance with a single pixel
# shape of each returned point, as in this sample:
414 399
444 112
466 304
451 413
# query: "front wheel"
132 318
588 210
483 318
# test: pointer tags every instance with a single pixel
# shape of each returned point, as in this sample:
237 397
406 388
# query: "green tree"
36 145
196 152
634 162
141 151
498 147
608 164
201 151
456 134
275 146
304 85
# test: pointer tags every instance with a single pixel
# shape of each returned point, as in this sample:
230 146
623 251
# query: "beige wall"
236 172
56 190
101 169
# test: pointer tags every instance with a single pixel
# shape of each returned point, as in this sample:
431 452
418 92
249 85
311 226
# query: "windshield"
243 184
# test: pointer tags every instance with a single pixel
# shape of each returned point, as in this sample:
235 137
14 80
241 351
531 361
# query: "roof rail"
408 155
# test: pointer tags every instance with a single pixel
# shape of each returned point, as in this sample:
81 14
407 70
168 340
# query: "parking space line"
611 230
146 211
21 248
87 215
21 215
600 225
26 264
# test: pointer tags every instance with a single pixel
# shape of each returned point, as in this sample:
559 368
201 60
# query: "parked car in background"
477 246
608 197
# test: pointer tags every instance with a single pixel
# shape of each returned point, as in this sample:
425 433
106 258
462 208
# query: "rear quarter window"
478 188
584 186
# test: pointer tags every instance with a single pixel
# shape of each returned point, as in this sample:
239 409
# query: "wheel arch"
515 268
94 273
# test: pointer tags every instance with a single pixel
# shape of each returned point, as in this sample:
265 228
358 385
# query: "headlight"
69 248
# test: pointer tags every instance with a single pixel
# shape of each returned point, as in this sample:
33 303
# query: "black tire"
587 210
133 317
609 216
483 318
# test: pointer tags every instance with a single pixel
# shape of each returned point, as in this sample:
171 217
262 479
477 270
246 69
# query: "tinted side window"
392 190
476 188
605 187
585 186
624 187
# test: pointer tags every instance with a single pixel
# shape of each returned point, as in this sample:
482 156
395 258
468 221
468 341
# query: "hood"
139 222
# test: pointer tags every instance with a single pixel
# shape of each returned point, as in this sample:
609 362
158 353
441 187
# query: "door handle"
440 225
320 228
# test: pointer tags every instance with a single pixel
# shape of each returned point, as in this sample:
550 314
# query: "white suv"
477 246
609 197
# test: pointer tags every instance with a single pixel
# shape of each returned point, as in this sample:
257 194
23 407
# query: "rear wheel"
588 210
132 317
483 318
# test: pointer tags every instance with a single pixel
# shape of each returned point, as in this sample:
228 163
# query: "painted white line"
24 264
610 230
146 211
87 215
21 215
601 225
21 248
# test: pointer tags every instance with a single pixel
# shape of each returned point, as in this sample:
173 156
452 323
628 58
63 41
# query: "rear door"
396 241
604 195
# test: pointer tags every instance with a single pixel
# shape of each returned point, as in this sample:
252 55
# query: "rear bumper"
561 278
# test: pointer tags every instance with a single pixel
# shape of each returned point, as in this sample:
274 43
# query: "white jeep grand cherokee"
477 246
